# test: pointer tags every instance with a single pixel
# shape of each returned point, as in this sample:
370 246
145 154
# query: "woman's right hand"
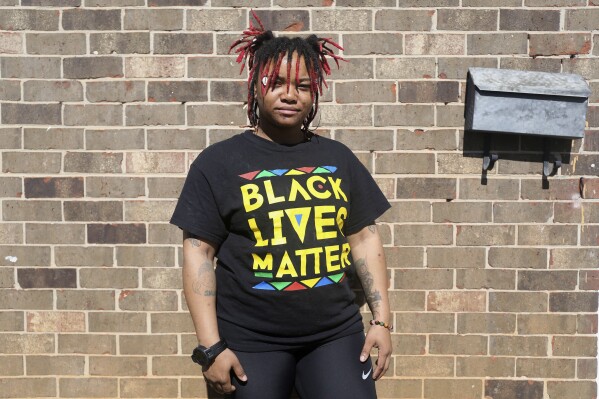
218 374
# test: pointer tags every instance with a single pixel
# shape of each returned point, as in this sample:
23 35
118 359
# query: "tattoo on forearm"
372 228
205 283
373 296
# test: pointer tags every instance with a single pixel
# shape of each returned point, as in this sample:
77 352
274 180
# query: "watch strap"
217 349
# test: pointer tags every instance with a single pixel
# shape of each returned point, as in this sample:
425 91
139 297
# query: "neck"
281 136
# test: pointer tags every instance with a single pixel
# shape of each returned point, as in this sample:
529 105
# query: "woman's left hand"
378 337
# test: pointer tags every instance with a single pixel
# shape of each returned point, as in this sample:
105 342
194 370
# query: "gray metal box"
523 102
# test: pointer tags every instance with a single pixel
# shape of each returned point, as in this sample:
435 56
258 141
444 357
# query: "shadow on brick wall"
517 154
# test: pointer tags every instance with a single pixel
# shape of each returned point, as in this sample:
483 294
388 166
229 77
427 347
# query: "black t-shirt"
280 216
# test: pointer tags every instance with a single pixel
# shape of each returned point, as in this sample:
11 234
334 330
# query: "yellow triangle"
299 225
294 172
311 282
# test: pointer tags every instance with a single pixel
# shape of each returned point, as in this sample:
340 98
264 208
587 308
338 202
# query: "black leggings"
330 371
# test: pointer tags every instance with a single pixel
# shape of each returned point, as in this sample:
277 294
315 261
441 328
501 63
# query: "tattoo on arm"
373 296
205 283
193 239
372 228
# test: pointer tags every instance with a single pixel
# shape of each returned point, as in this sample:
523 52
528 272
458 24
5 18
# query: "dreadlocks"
260 49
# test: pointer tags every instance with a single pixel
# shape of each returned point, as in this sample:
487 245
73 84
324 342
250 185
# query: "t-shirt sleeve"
197 210
367 202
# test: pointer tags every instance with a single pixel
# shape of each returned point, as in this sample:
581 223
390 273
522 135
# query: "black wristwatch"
205 356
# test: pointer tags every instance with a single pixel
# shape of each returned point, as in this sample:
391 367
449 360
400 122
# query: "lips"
287 111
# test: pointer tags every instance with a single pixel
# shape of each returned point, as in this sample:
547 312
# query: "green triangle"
321 170
280 285
264 173
336 277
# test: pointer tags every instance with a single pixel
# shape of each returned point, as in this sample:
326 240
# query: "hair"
259 48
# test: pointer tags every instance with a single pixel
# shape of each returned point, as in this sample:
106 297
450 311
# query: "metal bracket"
488 158
550 168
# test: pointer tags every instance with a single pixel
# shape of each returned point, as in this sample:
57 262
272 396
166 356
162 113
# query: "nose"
290 94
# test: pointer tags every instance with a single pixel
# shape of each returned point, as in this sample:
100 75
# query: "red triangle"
250 175
307 169
295 287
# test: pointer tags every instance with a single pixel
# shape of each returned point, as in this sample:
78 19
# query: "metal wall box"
523 102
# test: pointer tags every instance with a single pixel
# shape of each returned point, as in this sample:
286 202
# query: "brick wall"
104 103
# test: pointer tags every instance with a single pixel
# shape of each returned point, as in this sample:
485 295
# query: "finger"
239 372
216 388
379 368
228 387
366 350
382 363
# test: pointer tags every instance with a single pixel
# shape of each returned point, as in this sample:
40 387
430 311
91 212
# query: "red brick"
510 389
78 299
93 162
410 235
452 388
572 389
589 280
423 279
445 301
467 20
280 20
547 280
573 302
47 278
59 187
88 387
28 387
419 139
574 346
424 366
434 44
116 233
155 162
483 366
149 301
55 321
559 44
469 235
486 323
437 188
518 301
547 235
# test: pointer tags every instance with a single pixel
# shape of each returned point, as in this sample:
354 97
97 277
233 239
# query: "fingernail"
363 358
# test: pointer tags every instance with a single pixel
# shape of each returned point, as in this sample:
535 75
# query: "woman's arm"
199 286
371 269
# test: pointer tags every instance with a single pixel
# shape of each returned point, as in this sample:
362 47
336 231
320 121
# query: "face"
286 104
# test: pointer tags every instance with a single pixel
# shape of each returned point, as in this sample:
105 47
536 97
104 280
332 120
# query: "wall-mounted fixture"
526 103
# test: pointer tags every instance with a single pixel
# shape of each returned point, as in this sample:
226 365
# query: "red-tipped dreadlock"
258 48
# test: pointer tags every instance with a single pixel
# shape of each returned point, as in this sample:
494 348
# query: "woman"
281 207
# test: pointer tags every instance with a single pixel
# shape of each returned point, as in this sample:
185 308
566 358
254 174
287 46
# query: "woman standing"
281 207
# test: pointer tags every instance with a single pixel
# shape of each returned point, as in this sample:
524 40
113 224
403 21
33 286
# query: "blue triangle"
264 286
324 281
331 168
298 218
279 172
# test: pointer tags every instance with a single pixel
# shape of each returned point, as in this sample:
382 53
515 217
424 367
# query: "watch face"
200 357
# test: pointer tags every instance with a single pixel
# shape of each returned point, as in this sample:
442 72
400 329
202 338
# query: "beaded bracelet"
382 324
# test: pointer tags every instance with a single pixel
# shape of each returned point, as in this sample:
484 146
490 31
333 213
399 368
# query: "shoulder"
219 153
332 145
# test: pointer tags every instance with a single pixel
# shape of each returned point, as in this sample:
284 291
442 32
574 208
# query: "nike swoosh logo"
364 376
